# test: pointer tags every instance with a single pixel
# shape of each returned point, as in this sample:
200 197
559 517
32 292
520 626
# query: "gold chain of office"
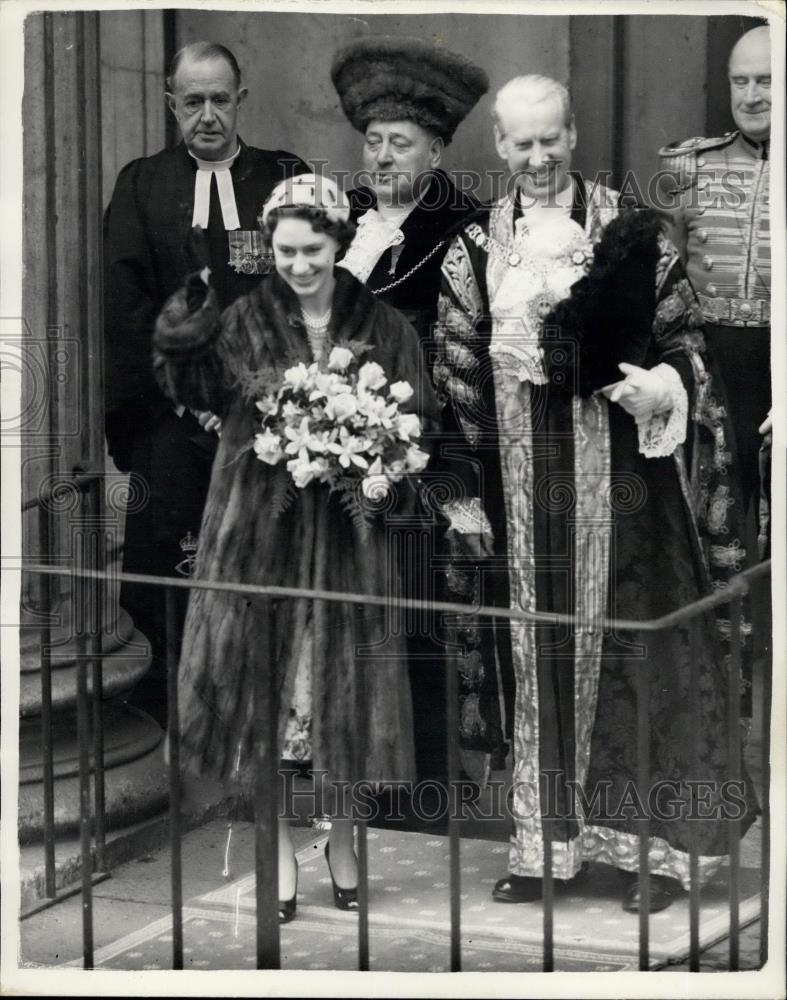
413 269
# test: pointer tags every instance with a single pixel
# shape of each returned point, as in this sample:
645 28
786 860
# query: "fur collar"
350 313
608 316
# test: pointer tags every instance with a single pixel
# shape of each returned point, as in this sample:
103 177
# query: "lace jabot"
527 276
374 236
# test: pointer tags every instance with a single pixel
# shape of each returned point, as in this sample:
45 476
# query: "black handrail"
81 479
738 586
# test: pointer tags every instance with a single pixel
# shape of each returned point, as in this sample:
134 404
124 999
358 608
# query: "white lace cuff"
525 363
467 517
663 430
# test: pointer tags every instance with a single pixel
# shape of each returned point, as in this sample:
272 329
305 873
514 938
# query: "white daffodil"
374 408
298 437
267 447
301 471
348 449
292 412
318 441
268 405
305 471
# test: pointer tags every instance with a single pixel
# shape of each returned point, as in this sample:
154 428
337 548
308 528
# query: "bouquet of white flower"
342 427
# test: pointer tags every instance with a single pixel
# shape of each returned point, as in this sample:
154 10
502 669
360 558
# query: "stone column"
62 389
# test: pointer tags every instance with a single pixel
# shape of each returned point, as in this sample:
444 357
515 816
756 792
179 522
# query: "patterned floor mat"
409 925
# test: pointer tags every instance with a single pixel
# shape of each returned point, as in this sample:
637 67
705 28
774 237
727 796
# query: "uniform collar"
761 150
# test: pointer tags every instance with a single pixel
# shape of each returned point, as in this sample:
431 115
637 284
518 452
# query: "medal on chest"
248 253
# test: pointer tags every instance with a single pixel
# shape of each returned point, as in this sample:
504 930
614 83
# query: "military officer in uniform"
720 224
211 179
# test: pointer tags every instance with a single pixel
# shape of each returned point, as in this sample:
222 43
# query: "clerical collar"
759 147
206 169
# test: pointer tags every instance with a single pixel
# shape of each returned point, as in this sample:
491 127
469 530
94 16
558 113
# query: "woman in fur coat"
260 528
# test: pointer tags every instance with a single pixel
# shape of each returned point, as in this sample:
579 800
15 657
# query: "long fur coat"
249 535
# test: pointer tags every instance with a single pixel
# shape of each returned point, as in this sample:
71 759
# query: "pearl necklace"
317 333
316 322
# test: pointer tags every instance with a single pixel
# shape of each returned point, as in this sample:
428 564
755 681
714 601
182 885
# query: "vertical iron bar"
79 599
734 771
694 886
173 736
363 845
79 264
619 68
548 899
765 763
455 873
96 655
170 46
363 898
45 544
266 839
45 523
643 823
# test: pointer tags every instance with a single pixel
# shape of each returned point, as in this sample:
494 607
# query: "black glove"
197 250
196 287
196 292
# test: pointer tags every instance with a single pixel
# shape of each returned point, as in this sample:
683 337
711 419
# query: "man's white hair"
531 89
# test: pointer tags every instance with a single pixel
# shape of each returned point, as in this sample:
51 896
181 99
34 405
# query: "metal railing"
88 631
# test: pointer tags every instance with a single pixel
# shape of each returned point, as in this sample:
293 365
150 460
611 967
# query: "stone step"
203 802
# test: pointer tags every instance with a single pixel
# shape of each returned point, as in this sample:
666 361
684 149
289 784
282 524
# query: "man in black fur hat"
408 97
597 467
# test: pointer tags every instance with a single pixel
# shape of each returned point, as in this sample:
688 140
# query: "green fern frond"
285 492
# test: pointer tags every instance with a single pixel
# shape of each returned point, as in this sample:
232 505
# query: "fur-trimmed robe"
586 524
201 359
434 221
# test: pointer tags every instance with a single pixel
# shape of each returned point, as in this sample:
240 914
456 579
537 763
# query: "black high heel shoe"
287 906
343 899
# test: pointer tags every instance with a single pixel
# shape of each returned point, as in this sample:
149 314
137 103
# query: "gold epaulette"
679 159
697 144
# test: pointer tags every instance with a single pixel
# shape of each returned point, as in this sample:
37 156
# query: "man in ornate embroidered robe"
605 496
214 180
